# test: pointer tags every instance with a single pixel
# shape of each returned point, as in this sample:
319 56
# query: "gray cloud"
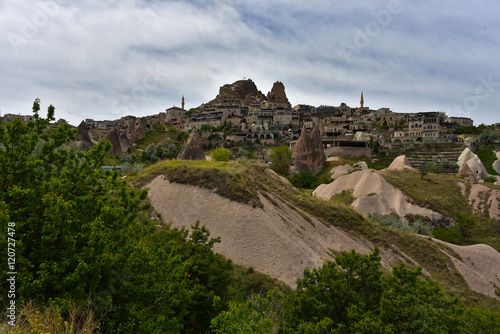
107 59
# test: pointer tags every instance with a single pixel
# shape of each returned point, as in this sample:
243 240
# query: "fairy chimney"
192 148
308 153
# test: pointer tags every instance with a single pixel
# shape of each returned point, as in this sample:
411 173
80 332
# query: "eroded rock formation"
137 130
83 141
308 153
277 94
400 163
192 148
242 91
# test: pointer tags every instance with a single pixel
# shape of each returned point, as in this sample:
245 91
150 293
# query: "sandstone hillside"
267 224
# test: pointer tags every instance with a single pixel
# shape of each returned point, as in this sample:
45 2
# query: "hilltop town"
242 113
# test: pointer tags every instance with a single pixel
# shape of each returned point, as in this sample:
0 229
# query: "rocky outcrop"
114 138
466 155
473 170
373 194
83 141
244 92
308 154
400 163
192 148
277 94
496 164
137 130
471 143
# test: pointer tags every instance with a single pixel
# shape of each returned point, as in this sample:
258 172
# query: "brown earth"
480 267
275 240
485 200
279 241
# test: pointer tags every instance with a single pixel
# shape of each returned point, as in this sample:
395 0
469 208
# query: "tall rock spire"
308 153
192 149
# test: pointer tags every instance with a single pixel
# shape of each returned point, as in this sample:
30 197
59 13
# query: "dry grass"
33 319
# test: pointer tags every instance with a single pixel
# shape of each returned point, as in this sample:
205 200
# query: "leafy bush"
488 157
394 221
489 137
345 197
221 154
490 179
83 234
259 315
465 223
280 159
303 180
245 154
451 235
350 295
131 168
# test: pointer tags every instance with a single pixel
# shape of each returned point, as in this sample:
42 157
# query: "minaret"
182 102
362 100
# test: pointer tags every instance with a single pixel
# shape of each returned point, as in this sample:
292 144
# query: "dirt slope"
275 240
480 267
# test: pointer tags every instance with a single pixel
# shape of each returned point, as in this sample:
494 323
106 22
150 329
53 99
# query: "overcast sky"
105 59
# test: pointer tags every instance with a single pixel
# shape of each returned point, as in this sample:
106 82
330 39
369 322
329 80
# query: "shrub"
450 234
303 180
390 220
345 197
131 168
280 158
490 179
221 154
394 221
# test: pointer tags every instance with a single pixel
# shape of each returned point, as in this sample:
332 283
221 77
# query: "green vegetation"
490 137
488 157
351 295
84 238
345 197
440 193
221 154
232 180
392 220
159 135
280 159
303 180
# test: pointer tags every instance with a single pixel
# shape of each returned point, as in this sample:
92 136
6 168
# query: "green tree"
410 304
221 154
70 216
84 234
176 280
350 295
489 137
303 180
280 160
260 315
333 296
465 223
427 168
